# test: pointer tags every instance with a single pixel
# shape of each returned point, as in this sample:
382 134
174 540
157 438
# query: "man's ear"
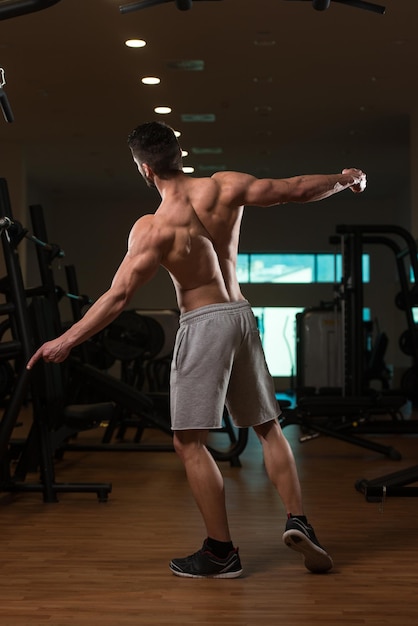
147 174
146 170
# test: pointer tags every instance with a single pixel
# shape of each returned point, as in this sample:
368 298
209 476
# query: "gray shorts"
218 360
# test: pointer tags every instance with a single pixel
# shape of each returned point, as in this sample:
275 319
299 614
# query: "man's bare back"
203 235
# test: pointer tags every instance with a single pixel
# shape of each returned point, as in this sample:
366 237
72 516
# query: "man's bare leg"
205 480
281 469
217 558
280 465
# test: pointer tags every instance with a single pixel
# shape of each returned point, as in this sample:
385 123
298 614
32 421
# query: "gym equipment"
318 5
21 344
7 378
395 484
319 359
323 5
182 5
55 421
406 262
353 408
133 336
89 351
4 102
320 352
340 418
14 8
39 446
345 413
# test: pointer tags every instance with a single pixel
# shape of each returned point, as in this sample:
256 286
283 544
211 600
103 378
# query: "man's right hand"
360 180
54 351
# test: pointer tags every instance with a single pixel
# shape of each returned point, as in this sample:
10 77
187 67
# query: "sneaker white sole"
234 574
316 559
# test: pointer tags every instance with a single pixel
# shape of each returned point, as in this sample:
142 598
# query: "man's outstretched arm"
138 267
244 189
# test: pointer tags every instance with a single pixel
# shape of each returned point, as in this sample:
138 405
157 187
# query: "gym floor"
78 561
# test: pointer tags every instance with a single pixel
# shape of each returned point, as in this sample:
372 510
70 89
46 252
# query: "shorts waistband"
213 309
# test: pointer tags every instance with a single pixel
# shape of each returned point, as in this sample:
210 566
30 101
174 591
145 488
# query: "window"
293 268
277 327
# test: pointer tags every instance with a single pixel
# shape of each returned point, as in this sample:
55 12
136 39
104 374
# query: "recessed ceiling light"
135 43
184 153
177 133
162 110
188 169
150 80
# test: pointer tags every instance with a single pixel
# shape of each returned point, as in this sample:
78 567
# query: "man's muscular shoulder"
233 187
151 231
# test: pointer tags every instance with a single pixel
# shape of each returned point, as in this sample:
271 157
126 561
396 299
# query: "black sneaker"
204 564
301 537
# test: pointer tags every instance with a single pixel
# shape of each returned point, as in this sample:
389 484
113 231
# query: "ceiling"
291 89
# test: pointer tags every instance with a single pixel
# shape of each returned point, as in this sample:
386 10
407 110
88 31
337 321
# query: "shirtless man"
218 358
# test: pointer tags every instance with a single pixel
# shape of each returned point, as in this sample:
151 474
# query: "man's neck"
168 182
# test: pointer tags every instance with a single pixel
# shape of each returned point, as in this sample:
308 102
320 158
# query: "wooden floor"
80 562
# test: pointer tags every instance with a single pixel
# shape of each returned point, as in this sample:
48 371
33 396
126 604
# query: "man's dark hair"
155 143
